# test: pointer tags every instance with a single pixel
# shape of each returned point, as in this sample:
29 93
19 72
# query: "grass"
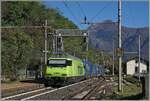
132 79
128 78
115 77
130 92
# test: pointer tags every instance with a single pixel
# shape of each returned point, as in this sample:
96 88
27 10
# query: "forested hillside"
22 47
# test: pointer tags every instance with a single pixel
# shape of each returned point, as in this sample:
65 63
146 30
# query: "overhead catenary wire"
131 11
70 11
81 9
100 11
138 31
66 5
83 13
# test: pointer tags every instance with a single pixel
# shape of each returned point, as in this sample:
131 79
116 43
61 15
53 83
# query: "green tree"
16 52
24 47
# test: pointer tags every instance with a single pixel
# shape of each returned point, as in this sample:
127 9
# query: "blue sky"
134 13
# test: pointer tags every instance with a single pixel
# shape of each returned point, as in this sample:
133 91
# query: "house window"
136 61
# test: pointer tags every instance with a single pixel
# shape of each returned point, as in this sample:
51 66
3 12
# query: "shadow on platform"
38 81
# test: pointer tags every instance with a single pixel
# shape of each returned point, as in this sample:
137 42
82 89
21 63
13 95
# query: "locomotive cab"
57 67
63 69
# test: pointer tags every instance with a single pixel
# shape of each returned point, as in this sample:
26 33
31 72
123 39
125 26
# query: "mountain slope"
103 34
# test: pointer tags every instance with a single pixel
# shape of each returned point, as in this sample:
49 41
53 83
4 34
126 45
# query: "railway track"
58 93
85 89
88 91
27 94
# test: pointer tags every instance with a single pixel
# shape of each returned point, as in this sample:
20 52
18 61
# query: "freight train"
63 70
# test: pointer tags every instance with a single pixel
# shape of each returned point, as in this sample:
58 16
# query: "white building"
132 66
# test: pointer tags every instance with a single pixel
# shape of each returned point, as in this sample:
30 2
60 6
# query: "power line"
100 11
70 11
81 8
133 21
82 11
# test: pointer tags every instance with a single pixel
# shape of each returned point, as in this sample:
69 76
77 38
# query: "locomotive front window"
60 63
57 63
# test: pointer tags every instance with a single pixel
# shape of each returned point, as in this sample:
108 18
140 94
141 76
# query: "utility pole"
119 44
103 59
45 42
41 68
139 56
113 59
87 41
54 43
